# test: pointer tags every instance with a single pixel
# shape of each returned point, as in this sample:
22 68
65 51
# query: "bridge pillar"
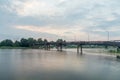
118 49
79 49
59 47
45 47
49 47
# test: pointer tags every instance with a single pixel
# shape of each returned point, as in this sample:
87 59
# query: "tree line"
23 42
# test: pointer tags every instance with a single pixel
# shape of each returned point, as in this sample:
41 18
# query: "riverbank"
114 51
15 47
91 50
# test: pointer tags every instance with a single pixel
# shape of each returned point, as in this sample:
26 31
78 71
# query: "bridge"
79 44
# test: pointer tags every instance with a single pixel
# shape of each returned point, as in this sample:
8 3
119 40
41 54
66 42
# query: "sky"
66 19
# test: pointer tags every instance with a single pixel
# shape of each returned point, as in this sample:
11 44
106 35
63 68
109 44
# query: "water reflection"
35 64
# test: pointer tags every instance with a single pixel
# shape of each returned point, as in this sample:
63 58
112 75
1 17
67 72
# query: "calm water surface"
35 64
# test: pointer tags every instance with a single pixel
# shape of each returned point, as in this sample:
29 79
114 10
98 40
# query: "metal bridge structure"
60 45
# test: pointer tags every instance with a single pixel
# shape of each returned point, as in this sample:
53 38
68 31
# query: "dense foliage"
22 43
30 42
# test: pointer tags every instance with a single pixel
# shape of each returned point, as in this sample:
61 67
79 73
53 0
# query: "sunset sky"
67 19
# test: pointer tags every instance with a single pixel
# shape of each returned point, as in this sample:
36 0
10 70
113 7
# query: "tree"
40 41
59 41
6 42
45 41
24 43
17 43
31 42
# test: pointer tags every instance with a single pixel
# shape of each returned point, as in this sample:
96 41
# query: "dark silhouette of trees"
24 42
29 42
40 41
17 44
59 41
45 41
6 42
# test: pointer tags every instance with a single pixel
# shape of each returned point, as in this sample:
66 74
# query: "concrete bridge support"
79 49
47 47
118 49
59 47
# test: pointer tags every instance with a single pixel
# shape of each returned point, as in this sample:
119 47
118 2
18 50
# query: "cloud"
38 29
36 7
50 30
61 17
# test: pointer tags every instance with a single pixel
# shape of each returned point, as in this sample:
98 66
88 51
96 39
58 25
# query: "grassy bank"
114 51
6 47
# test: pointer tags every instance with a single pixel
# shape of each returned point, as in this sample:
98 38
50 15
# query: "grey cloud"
74 12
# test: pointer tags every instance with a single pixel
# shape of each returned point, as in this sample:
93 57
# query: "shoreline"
91 50
15 48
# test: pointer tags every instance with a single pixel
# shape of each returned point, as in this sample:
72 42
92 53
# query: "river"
36 64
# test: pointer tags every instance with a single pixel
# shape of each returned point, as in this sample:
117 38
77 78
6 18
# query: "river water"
35 64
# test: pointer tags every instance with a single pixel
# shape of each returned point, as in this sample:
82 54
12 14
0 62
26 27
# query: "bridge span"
59 45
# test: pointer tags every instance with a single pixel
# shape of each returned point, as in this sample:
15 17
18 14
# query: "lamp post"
74 37
88 37
108 35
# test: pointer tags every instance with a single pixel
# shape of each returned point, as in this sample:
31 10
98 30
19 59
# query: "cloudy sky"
67 19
